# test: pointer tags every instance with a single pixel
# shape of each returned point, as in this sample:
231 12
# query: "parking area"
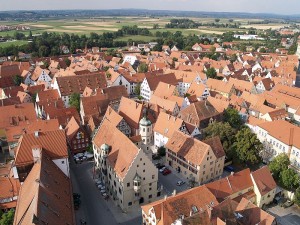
285 216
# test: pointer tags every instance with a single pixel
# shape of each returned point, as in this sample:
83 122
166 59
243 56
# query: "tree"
30 35
143 68
161 151
233 58
262 50
75 101
137 89
211 73
43 51
217 20
212 49
297 196
108 75
67 61
289 179
232 116
279 164
18 80
226 134
155 26
8 218
247 146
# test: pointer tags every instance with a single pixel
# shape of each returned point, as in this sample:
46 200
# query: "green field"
111 24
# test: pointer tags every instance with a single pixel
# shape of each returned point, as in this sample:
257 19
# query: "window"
63 162
143 171
140 159
153 176
150 196
128 184
150 189
150 184
129 203
143 129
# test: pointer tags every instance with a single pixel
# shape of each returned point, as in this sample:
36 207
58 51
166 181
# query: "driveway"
94 209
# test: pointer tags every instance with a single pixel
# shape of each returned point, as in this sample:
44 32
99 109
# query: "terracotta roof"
219 104
9 101
35 89
198 111
76 84
169 210
163 103
164 90
112 116
9 189
283 131
37 73
115 92
48 95
264 180
197 89
278 114
166 124
216 146
219 86
9 70
14 133
52 142
252 215
131 111
13 114
122 150
72 128
12 91
189 148
153 80
232 184
45 195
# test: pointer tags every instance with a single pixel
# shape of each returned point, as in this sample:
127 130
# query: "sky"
286 7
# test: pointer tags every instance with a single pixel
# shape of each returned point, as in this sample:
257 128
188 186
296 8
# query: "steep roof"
169 210
45 195
12 115
76 84
219 104
154 80
9 188
122 150
52 142
218 85
72 128
112 116
232 184
264 180
167 124
216 146
164 90
48 95
189 148
198 111
283 131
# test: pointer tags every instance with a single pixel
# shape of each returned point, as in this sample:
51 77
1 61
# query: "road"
288 216
94 209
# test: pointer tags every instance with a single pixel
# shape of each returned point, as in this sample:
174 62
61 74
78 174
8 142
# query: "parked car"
166 172
288 204
76 196
160 166
229 168
162 169
179 183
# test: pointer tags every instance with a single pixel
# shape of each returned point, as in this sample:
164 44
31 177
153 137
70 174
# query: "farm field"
9 43
111 24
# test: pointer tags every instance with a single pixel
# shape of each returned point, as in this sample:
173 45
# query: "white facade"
44 77
130 87
63 164
130 59
28 80
146 92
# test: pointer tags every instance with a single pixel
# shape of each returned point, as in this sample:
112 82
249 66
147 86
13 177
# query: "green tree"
297 196
211 72
279 164
226 134
30 35
75 101
8 218
137 89
67 61
43 51
161 151
247 146
18 80
289 179
143 68
212 49
262 50
233 118
155 26
233 58
217 20
108 75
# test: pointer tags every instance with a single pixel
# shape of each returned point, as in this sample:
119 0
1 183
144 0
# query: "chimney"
169 86
36 153
166 196
291 140
36 134
232 173
174 192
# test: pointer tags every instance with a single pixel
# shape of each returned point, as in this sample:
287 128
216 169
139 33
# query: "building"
69 85
150 84
40 75
278 137
53 143
197 161
77 137
46 196
127 172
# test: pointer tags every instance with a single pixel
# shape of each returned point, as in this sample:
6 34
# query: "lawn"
136 38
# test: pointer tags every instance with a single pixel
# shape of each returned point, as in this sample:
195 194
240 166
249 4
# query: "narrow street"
94 209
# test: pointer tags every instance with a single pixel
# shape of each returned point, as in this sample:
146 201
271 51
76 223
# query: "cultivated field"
111 24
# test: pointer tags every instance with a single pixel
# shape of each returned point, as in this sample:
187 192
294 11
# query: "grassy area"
16 43
136 38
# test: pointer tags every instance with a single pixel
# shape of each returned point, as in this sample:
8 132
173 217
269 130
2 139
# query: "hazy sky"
286 7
